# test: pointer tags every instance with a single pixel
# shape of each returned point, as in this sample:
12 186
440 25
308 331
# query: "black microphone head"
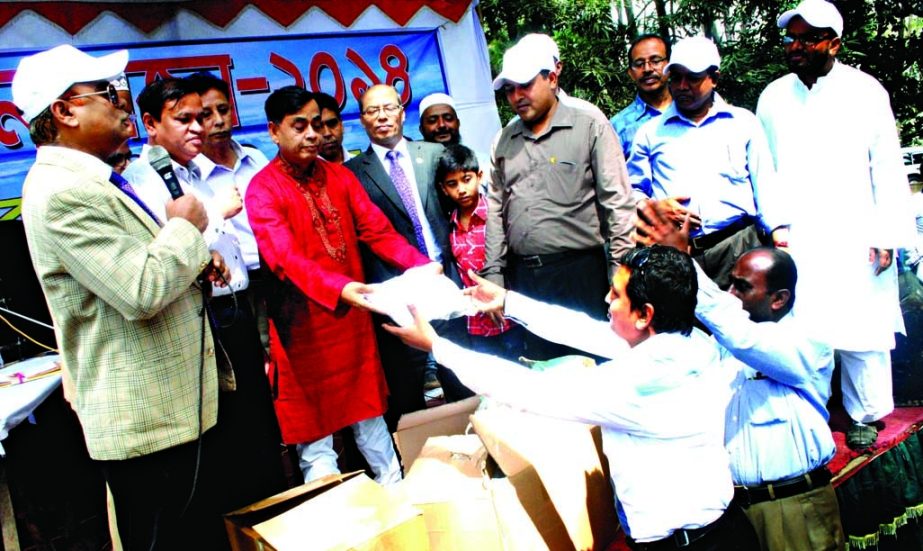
159 158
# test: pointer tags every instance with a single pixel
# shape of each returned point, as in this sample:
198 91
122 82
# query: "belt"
705 242
539 260
228 300
780 489
683 537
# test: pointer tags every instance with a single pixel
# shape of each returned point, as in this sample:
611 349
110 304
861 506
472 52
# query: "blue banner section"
342 65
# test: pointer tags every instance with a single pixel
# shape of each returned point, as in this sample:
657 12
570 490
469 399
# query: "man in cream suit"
120 286
399 176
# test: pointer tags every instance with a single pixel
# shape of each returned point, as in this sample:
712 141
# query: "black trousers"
731 532
150 493
578 280
246 442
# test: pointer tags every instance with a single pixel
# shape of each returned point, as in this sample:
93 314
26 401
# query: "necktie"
402 184
126 188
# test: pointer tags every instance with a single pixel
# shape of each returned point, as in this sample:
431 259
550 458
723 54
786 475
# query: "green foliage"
882 37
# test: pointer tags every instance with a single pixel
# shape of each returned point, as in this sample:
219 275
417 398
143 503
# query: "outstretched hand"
655 226
487 297
354 293
420 335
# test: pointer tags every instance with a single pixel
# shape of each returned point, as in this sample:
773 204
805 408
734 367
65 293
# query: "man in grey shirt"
559 195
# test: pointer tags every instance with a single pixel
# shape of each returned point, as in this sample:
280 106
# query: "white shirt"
435 253
776 425
222 179
836 149
219 236
660 405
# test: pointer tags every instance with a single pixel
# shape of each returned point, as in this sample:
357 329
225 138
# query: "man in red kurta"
309 217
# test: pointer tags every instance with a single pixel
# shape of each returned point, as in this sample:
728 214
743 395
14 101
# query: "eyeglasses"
653 62
809 40
110 91
390 109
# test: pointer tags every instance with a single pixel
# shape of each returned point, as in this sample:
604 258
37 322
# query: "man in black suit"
399 178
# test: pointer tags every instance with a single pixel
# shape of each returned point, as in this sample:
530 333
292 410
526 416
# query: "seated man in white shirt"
660 402
776 429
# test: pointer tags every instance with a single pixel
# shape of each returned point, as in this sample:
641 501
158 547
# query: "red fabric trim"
74 16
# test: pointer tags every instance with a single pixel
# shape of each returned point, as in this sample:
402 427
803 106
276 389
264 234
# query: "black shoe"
861 437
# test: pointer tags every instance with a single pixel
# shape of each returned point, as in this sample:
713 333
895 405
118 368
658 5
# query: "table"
17 402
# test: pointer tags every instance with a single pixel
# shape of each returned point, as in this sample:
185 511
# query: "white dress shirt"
776 424
435 253
222 180
219 236
660 404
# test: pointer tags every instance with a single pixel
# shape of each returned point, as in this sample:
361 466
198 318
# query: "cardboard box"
337 512
447 484
549 481
415 428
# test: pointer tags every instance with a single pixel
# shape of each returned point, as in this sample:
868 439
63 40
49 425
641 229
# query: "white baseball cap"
543 42
819 14
41 78
697 54
436 99
521 64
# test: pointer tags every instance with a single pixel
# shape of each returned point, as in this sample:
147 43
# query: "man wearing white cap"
438 120
439 123
708 160
119 284
544 44
558 196
833 136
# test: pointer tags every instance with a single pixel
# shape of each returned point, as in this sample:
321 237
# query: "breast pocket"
561 180
732 163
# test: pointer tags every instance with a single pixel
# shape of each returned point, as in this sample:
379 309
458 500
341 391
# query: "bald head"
764 280
382 115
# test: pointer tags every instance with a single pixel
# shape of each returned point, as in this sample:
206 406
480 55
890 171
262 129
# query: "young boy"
459 178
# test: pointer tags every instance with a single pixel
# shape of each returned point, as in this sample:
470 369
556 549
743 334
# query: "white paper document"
435 296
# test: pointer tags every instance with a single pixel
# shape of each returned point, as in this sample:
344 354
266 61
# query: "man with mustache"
120 287
559 195
832 135
647 57
331 133
310 217
707 160
438 120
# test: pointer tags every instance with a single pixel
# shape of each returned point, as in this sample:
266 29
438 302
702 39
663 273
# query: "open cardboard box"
341 512
549 481
413 429
447 484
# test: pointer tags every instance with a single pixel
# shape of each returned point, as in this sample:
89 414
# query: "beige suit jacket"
126 313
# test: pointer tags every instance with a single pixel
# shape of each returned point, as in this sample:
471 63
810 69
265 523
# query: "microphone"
160 160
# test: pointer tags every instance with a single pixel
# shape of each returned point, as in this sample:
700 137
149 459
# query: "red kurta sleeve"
373 227
269 213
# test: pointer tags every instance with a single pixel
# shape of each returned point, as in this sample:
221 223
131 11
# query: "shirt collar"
563 117
190 173
480 211
207 166
639 107
381 151
719 108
